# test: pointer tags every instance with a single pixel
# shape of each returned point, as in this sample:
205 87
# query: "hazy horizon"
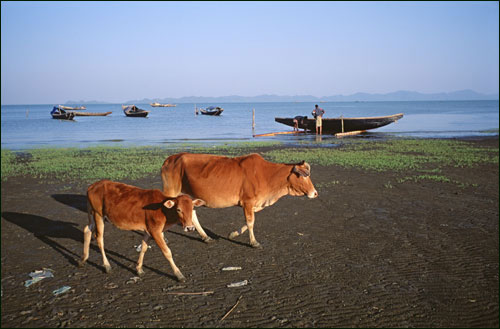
52 52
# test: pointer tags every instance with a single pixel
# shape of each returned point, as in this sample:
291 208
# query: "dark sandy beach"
362 254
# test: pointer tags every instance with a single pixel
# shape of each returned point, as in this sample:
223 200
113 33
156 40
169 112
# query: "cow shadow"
211 234
46 230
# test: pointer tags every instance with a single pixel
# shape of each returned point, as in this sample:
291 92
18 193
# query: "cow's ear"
301 171
169 204
198 202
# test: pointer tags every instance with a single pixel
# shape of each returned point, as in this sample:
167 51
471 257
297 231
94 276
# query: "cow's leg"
250 217
200 230
99 224
158 237
239 232
144 248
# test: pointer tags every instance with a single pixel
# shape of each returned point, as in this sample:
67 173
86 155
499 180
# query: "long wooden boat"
134 111
58 113
212 110
162 105
343 125
72 108
91 114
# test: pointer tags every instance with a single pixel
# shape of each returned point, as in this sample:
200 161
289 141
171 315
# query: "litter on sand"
238 284
231 268
38 276
133 280
139 247
61 290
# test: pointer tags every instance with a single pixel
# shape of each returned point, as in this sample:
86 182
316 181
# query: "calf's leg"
158 237
87 235
99 223
144 248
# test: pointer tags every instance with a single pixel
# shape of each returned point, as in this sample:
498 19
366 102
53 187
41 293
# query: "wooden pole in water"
342 118
253 119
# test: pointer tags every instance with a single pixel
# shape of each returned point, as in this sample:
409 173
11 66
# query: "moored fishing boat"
91 114
134 111
72 108
155 104
343 125
212 110
59 113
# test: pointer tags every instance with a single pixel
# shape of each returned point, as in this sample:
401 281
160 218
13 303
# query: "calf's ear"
198 202
169 204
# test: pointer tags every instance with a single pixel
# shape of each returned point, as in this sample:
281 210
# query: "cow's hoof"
140 272
256 245
233 235
107 269
181 278
81 263
208 240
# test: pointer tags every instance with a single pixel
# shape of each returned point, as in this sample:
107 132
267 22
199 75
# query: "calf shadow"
76 201
46 230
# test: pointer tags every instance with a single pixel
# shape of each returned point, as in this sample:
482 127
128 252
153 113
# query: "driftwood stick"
204 293
232 308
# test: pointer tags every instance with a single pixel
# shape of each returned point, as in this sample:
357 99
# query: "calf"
131 208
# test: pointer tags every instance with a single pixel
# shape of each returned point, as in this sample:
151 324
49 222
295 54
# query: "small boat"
212 110
91 114
59 113
72 108
162 105
134 111
343 125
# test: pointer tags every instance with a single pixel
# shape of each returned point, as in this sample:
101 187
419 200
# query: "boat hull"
218 112
63 116
134 112
343 125
91 114
137 114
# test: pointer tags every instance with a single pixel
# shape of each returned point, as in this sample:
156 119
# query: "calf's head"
300 181
184 206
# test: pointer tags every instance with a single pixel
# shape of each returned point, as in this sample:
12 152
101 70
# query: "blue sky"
52 52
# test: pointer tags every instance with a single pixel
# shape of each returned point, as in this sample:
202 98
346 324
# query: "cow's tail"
169 173
91 217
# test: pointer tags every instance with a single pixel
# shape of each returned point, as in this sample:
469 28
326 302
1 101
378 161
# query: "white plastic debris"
61 290
139 247
133 280
231 268
238 284
38 276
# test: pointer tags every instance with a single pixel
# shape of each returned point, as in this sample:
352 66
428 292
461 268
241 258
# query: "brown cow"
131 208
247 181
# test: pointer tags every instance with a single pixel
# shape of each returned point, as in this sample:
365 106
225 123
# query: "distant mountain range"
401 95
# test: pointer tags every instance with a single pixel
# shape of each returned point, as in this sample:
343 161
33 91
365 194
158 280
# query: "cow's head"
300 181
184 206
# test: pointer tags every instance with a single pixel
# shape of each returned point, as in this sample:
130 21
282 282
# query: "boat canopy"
57 109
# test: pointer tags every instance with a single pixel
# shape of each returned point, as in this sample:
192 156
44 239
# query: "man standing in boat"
318 115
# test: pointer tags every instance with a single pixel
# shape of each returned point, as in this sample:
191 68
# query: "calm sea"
29 126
